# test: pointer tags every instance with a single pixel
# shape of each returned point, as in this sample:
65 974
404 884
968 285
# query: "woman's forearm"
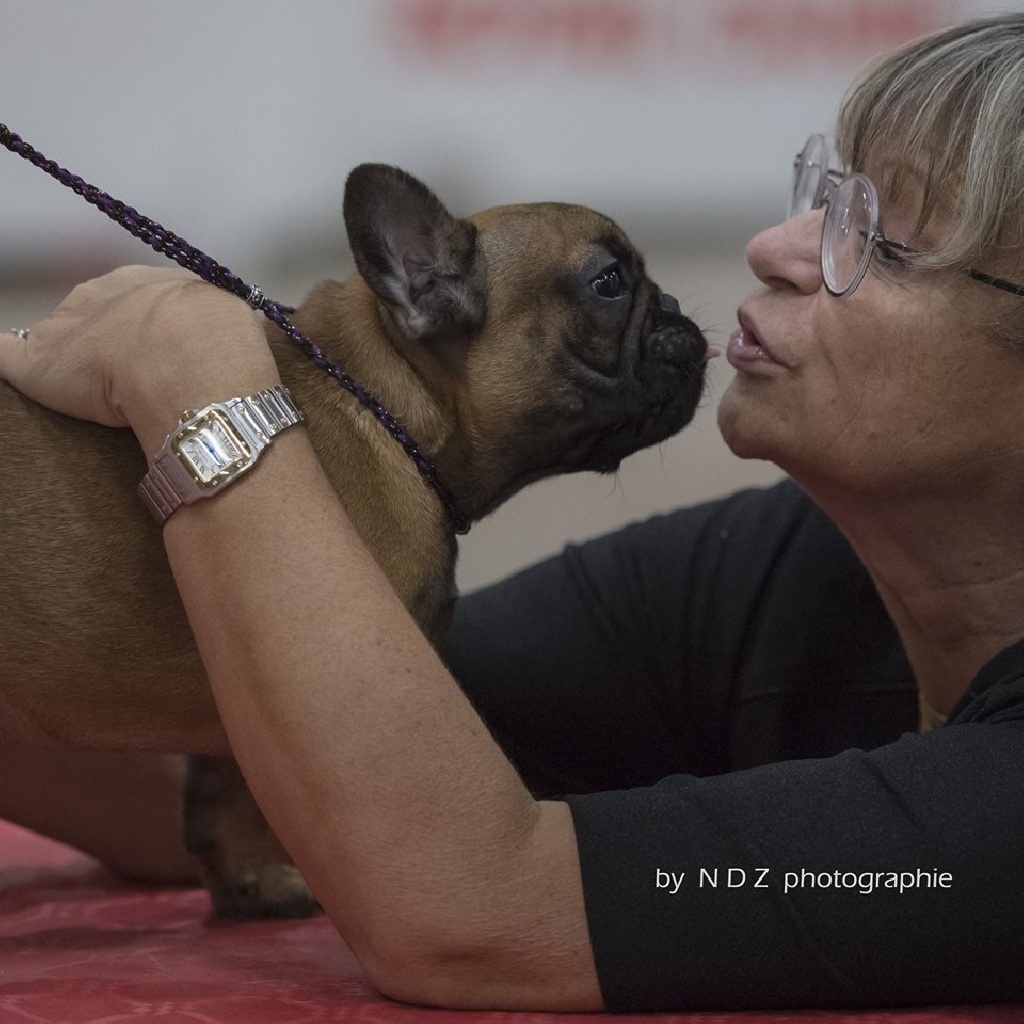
408 822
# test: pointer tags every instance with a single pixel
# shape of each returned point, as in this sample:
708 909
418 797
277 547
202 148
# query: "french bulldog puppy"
514 344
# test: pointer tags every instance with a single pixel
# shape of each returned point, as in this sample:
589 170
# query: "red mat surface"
79 947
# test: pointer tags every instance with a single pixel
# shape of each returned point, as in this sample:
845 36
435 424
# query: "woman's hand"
138 345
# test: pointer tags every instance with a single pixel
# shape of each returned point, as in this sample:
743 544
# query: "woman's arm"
450 883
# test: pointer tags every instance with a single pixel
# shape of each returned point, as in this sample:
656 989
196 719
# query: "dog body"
518 343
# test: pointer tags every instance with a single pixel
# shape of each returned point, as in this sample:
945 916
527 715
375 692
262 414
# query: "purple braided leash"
193 259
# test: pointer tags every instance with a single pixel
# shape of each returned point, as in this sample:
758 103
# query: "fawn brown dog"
518 343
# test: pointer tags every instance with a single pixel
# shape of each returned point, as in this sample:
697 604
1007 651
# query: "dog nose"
678 350
669 303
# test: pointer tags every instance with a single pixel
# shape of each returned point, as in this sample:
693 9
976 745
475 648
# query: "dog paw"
276 891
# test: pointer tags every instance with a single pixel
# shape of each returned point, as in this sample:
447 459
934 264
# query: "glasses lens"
809 170
847 237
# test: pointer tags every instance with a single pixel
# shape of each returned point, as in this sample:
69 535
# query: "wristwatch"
212 447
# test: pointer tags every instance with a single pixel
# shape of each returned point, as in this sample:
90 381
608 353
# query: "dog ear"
419 260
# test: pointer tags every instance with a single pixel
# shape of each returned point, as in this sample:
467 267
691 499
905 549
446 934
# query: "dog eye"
609 284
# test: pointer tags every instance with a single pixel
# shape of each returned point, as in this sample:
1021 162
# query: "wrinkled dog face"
637 361
605 362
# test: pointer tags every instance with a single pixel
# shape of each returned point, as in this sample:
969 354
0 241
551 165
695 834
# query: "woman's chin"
744 428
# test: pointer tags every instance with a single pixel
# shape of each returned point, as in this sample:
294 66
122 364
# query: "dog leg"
243 865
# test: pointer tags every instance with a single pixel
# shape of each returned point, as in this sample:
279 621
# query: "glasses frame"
830 184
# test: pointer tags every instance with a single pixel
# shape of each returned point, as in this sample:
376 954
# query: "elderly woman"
852 640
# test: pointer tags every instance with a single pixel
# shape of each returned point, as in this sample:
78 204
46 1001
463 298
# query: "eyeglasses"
850 234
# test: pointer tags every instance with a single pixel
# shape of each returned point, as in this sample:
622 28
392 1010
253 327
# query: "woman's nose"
788 255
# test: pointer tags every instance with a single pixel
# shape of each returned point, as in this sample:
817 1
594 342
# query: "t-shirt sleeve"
873 878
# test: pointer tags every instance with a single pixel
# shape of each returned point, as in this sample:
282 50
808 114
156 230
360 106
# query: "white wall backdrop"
234 123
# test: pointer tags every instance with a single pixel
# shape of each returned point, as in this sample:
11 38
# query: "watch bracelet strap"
262 416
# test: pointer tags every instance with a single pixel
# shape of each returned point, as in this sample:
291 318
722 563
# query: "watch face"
212 450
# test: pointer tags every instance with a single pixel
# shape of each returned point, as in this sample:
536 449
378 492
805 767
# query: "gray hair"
951 105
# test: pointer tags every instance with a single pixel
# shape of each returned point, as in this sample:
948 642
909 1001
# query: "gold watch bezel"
211 419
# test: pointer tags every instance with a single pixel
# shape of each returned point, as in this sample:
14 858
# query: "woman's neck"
950 571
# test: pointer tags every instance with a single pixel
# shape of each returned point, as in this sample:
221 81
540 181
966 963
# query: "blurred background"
234 124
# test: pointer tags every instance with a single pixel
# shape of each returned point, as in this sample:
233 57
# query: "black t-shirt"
721 698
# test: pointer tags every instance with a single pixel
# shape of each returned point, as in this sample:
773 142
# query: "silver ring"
255 297
21 332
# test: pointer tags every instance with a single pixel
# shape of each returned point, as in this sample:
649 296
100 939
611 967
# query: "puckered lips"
746 351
